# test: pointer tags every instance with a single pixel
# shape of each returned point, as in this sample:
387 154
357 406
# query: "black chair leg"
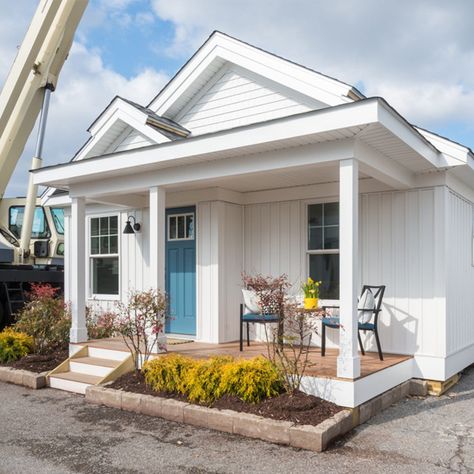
377 340
360 343
323 340
241 329
248 335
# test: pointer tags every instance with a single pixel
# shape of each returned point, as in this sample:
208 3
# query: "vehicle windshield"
40 228
58 219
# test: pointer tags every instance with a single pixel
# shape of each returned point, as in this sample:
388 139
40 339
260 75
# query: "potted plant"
311 293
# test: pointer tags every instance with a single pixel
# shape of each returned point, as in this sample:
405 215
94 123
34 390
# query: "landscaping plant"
14 345
100 325
288 345
206 380
46 319
293 356
272 293
140 321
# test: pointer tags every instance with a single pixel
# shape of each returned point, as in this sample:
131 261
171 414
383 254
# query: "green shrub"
205 380
46 319
100 325
14 345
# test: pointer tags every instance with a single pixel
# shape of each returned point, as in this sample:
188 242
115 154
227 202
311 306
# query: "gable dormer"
228 83
125 125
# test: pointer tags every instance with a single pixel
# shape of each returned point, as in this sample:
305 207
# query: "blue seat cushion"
260 318
335 323
331 322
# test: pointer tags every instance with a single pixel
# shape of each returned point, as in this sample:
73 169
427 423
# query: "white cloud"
418 54
85 87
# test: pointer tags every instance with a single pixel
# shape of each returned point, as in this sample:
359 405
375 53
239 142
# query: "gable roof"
121 117
220 49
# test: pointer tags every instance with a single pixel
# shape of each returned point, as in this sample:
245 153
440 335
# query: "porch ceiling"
275 179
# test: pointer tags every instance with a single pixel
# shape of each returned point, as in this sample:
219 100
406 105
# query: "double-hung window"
104 255
323 247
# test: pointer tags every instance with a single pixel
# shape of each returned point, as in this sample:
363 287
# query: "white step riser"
89 369
107 354
68 385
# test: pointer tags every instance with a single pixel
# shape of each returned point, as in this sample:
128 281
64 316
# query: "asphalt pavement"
49 431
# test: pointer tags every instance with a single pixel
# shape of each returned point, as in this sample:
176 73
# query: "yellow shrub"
168 373
205 380
14 345
202 381
252 380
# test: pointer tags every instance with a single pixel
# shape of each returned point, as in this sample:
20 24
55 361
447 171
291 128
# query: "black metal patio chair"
253 318
369 316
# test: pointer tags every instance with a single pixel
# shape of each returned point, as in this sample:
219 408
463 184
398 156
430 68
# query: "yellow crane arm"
38 62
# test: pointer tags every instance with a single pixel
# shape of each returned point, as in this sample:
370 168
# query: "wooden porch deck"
319 366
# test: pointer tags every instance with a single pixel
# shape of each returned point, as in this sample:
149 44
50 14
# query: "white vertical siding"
397 249
237 98
219 264
274 240
133 259
207 272
460 282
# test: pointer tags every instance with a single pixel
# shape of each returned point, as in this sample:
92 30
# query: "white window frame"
309 252
181 214
91 256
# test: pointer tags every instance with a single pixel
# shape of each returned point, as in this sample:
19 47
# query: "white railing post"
77 281
157 246
348 361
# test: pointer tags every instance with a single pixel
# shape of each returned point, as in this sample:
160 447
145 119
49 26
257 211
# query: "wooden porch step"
78 377
111 363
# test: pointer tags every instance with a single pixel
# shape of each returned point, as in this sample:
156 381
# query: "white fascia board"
308 155
131 116
302 80
240 140
455 154
119 110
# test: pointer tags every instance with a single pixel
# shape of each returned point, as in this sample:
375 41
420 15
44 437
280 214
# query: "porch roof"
386 142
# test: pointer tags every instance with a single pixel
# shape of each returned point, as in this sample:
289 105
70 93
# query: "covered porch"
250 188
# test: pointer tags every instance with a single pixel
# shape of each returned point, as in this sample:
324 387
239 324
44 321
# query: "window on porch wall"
104 255
323 247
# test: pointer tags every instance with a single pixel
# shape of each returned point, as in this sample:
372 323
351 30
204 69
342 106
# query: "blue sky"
417 54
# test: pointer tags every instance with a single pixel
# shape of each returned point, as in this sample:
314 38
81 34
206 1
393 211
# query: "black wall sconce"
128 227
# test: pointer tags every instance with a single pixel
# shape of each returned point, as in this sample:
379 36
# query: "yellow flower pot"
310 303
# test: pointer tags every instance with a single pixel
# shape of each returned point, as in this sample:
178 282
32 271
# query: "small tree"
288 345
46 318
140 321
272 294
291 353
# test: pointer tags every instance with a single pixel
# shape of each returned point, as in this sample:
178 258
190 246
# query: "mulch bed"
300 408
39 363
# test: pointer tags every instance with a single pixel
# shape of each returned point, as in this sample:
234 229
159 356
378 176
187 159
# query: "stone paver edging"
23 377
315 438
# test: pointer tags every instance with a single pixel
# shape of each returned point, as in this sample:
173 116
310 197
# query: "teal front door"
181 270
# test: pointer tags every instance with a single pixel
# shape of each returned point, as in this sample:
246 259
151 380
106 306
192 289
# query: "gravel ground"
49 431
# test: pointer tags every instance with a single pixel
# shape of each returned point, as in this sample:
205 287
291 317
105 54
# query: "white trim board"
351 394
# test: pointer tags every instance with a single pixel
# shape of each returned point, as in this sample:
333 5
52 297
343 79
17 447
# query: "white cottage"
249 162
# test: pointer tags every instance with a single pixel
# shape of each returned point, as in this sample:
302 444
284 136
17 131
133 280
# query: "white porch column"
348 362
157 244
77 270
